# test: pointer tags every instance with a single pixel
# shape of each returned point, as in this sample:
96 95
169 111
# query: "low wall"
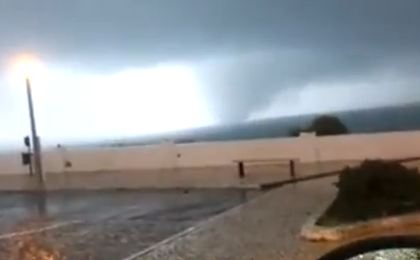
183 178
168 164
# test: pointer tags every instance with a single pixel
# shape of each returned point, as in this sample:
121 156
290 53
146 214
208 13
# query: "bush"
379 180
327 125
321 126
374 189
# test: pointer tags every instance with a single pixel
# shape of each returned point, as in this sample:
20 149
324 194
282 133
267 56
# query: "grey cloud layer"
269 45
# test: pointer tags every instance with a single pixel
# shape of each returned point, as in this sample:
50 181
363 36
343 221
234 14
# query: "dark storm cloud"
247 51
162 28
249 82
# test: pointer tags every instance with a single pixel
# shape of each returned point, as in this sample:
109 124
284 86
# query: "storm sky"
134 67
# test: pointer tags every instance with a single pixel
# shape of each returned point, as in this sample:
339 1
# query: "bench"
271 161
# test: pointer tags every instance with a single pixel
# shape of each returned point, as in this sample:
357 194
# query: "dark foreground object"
375 189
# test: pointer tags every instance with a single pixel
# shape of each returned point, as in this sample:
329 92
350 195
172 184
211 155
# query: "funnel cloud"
245 60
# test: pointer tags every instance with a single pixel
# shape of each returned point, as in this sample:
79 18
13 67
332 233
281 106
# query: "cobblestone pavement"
103 225
265 228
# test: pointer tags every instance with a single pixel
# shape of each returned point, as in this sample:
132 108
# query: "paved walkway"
103 225
266 228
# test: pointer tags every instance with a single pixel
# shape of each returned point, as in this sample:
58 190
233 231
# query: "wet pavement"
104 225
266 228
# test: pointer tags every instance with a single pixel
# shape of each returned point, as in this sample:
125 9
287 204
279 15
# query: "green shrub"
322 126
327 125
379 180
374 189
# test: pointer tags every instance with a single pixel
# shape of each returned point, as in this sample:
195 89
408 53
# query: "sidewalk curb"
312 232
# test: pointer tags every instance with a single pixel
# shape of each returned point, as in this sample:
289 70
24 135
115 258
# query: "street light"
28 66
35 138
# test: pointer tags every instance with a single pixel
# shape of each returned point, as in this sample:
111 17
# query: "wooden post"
241 169
292 169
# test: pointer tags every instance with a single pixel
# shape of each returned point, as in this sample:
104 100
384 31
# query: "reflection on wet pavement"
102 225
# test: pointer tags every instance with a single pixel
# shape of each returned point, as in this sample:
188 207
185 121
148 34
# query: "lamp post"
37 156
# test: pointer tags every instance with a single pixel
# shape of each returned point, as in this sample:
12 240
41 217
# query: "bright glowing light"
28 66
74 105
